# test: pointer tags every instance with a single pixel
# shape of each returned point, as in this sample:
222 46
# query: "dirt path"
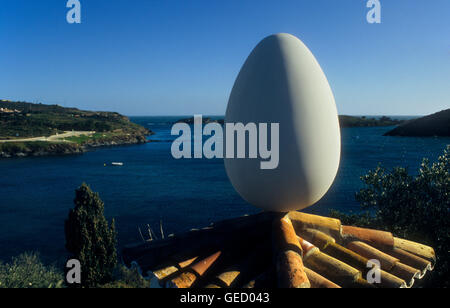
53 138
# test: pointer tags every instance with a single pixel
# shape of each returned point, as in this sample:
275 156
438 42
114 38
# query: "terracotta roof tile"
406 273
387 262
318 281
372 237
327 225
287 254
244 269
412 260
318 238
187 278
304 251
332 268
420 250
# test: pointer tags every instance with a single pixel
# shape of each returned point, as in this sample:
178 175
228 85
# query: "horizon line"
222 115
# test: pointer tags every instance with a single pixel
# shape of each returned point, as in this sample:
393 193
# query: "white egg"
282 82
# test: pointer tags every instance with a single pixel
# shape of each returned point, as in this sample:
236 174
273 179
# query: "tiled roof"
272 250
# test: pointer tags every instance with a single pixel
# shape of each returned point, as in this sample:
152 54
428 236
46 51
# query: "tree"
414 207
90 239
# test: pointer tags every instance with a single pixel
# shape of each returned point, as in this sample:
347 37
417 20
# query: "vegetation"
27 271
90 239
26 120
352 121
35 120
38 148
83 139
105 138
205 120
126 279
344 120
413 207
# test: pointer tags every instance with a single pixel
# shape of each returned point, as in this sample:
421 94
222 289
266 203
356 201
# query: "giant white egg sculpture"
282 82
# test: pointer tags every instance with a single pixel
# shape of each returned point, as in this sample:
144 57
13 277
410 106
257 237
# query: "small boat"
116 164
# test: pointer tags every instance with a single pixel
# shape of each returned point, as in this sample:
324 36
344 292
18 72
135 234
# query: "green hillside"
20 121
33 120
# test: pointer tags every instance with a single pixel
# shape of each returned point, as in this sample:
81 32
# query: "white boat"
116 164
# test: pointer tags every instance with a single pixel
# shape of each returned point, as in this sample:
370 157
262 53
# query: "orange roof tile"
304 251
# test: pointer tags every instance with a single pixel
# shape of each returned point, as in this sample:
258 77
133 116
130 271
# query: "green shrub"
125 278
27 271
90 239
412 207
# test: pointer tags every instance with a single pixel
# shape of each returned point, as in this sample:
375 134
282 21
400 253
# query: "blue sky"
174 57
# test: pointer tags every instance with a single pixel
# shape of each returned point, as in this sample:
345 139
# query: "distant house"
6 110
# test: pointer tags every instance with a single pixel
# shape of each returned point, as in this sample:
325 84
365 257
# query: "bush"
413 207
125 278
27 271
90 239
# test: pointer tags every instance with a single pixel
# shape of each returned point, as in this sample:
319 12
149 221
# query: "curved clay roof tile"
305 251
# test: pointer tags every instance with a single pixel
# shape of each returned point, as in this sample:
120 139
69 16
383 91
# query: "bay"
37 193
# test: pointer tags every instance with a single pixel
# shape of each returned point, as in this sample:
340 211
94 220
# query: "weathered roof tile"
387 262
274 250
372 237
318 281
287 254
423 251
187 278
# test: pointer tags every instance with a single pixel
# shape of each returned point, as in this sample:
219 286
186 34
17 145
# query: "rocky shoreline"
36 149
46 130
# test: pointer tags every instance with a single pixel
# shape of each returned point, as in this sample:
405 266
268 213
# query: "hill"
437 124
354 121
37 129
20 119
344 120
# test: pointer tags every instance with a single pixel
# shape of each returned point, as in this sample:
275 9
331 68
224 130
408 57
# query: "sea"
152 190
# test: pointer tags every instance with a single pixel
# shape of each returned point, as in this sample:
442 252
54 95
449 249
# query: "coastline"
344 121
47 130
42 148
152 186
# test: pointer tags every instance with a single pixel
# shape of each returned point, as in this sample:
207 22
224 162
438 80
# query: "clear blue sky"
149 57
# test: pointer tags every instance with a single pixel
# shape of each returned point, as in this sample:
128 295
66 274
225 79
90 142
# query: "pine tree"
90 239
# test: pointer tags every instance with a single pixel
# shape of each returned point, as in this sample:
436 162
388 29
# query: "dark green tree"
90 239
414 207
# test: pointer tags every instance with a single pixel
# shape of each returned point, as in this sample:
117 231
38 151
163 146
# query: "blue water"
37 193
